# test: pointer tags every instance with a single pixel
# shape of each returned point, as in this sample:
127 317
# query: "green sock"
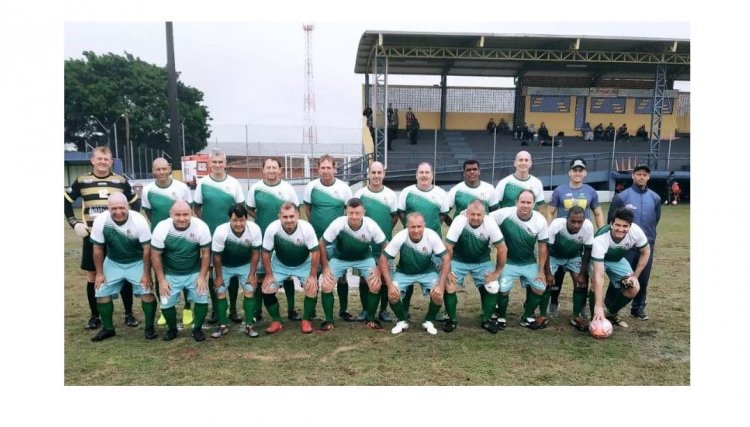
221 310
398 310
451 303
488 305
432 310
187 302
502 305
309 307
170 315
364 292
372 305
289 292
579 301
212 292
105 311
149 312
383 297
482 295
248 305
199 314
544 303
258 294
532 302
406 300
342 289
234 289
327 301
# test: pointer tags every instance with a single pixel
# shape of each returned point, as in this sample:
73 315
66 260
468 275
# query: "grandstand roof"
511 55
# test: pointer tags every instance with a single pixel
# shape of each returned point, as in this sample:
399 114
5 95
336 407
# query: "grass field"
656 352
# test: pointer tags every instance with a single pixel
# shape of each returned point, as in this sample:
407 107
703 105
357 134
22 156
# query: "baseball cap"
578 163
642 166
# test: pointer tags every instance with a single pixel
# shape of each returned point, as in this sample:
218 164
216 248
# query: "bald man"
180 254
510 187
125 235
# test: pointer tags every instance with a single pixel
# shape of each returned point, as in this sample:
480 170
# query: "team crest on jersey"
174 195
128 232
299 241
363 237
580 239
246 241
424 249
88 181
192 237
481 236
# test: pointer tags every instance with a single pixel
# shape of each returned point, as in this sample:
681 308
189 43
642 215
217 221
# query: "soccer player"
566 196
380 203
523 228
325 199
468 241
510 187
236 250
180 255
214 195
611 246
568 239
158 197
290 249
126 236
415 245
472 188
264 200
350 237
94 188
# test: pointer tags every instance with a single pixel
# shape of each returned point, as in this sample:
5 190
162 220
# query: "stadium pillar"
174 114
519 107
443 100
660 87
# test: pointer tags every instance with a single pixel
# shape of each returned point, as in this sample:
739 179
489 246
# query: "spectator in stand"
622 133
609 132
599 131
491 126
543 133
530 132
588 134
520 131
412 126
641 133
502 126
392 125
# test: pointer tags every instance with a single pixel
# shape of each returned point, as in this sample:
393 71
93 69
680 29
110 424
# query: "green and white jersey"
521 236
216 197
430 203
415 257
380 206
124 242
461 195
563 245
606 249
236 250
326 202
159 200
350 244
510 187
181 249
267 199
472 245
290 249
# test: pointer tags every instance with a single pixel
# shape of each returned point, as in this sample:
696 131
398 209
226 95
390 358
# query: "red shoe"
274 327
306 326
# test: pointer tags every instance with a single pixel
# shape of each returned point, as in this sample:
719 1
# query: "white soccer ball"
674 202
600 329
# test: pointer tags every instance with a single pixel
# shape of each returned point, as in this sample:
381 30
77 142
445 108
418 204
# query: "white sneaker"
429 327
401 325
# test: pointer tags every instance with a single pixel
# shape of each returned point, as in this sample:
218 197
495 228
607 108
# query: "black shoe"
640 315
526 322
234 317
293 315
93 323
131 321
347 317
170 335
198 335
103 335
150 333
489 326
539 323
500 324
450 325
213 318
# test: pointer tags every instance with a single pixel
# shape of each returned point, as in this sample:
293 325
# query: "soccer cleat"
274 327
580 324
384 316
490 326
170 335
326 326
162 321
616 320
234 317
198 335
306 326
362 316
213 318
429 327
251 332
131 321
500 324
149 333
221 330
93 323
346 316
187 317
539 323
640 316
374 324
180 326
526 322
103 335
450 325
401 325
293 315
554 309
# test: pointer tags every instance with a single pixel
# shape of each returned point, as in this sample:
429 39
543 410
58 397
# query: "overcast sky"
253 72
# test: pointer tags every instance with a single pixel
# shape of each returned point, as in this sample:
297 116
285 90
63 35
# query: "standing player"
510 187
158 197
290 249
325 199
380 203
472 188
523 229
214 195
94 188
568 239
468 241
236 250
264 200
566 196
351 237
126 236
416 247
180 255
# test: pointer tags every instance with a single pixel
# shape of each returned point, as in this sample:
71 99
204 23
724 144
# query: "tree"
103 87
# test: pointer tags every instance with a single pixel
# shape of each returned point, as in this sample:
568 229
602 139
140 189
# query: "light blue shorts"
365 266
282 272
572 264
117 274
616 270
477 271
427 281
526 275
180 282
240 273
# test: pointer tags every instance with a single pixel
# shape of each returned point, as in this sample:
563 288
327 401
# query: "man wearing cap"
646 207
574 193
